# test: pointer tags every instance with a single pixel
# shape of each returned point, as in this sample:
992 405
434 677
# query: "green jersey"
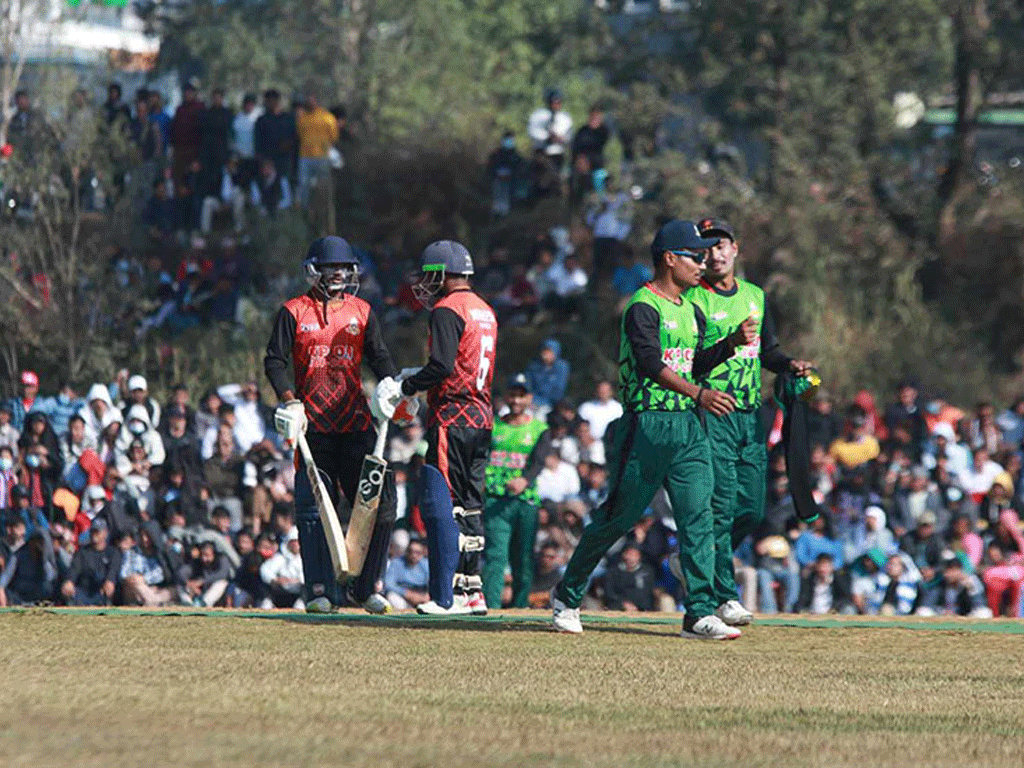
511 447
740 375
679 337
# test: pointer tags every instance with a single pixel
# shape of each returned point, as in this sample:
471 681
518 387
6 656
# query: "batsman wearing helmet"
737 439
457 380
314 358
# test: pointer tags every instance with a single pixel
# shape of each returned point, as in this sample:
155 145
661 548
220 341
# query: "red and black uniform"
457 378
321 346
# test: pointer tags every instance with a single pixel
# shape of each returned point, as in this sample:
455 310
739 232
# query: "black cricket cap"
519 381
711 227
679 235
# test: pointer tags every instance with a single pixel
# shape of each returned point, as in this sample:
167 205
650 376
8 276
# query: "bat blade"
364 511
336 543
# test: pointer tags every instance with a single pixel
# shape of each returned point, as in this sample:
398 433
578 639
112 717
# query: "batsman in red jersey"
457 380
314 360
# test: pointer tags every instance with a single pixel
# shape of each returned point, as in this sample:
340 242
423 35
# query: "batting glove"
405 413
290 420
385 398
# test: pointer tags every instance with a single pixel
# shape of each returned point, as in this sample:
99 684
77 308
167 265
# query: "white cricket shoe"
564 618
734 614
458 608
708 628
376 604
476 603
320 605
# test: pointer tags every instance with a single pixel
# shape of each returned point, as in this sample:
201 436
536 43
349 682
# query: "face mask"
32 460
136 427
6 463
63 399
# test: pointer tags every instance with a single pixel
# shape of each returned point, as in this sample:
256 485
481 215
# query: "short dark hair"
20 92
115 86
218 91
271 93
225 408
249 98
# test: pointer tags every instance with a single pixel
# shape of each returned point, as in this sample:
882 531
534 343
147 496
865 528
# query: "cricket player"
314 358
737 439
659 441
457 379
519 446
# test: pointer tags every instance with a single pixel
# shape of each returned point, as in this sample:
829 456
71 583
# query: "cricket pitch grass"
281 689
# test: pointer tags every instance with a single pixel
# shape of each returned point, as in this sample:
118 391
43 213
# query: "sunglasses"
695 256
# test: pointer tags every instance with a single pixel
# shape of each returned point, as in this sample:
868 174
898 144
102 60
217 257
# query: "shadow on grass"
460 623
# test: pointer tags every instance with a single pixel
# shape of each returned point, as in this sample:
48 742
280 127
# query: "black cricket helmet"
332 266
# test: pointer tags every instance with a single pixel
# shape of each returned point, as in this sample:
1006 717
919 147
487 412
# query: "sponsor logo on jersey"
671 325
754 309
679 360
325 354
309 327
719 316
481 315
353 327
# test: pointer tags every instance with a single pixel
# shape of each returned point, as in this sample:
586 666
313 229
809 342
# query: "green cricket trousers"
510 528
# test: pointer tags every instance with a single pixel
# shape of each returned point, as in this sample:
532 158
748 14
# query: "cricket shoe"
476 603
458 608
564 618
708 628
734 614
320 605
376 604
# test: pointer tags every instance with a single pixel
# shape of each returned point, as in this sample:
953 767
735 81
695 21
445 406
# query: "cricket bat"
328 516
364 510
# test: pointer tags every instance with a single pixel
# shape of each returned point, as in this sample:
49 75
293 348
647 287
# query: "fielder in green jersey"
519 446
659 441
737 439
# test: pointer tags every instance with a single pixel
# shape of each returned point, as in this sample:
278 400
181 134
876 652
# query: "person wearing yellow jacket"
318 130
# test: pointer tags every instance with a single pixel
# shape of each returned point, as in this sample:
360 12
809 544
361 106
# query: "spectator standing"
568 282
630 273
602 410
548 376
114 108
243 142
26 402
274 135
550 129
610 217
317 131
215 126
186 138
406 581
907 412
504 167
94 570
591 139
159 117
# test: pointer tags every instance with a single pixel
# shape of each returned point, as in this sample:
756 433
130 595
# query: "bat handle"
382 438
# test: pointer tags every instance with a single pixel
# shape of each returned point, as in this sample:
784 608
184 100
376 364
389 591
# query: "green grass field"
249 690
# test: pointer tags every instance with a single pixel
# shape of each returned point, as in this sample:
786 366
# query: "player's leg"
751 473
524 534
723 438
639 456
689 485
436 509
320 589
497 534
469 451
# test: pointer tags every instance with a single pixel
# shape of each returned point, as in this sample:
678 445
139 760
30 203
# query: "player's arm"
277 363
446 329
375 351
642 324
534 464
772 356
706 360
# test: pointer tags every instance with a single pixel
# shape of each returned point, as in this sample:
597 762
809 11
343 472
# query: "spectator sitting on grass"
223 472
924 547
206 579
407 577
94 570
629 585
282 573
857 446
547 572
824 590
248 589
1003 574
30 574
8 476
548 375
812 542
149 570
959 593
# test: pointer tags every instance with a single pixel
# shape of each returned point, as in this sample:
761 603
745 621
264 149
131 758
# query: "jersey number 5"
486 353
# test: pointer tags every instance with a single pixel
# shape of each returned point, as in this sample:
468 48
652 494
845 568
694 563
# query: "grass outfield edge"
524 617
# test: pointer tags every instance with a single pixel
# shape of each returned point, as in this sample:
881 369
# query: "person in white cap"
138 394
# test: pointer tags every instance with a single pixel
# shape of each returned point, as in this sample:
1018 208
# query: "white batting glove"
385 398
290 420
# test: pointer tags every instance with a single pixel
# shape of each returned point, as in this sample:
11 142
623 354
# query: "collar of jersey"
719 291
650 286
